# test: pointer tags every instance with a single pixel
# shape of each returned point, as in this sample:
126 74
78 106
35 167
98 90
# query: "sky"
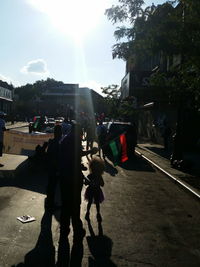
67 40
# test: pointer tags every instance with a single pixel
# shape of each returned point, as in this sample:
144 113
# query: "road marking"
179 181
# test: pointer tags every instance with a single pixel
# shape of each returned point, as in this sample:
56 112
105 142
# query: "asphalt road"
147 220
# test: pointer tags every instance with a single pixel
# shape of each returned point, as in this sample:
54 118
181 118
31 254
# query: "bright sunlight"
76 18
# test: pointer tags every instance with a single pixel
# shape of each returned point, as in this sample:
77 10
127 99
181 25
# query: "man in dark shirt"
71 178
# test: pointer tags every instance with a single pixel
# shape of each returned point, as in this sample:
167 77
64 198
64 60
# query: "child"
93 193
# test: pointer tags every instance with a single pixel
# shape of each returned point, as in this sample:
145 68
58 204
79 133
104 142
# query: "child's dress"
93 192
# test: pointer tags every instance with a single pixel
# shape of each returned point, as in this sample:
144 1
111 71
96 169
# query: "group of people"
64 164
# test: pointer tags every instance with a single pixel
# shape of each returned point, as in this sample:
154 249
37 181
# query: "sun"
76 18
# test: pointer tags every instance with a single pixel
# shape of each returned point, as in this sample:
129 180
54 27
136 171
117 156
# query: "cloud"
38 67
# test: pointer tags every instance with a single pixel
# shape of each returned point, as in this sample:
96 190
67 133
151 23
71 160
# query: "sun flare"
73 17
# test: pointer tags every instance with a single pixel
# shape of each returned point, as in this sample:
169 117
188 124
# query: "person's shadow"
100 247
44 252
110 169
64 257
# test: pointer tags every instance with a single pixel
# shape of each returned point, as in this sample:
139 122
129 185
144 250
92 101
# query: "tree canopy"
172 28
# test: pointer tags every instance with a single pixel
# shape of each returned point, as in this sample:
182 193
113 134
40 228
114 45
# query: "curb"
15 127
186 186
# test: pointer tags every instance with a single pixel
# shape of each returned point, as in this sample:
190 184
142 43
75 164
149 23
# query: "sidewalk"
160 157
17 124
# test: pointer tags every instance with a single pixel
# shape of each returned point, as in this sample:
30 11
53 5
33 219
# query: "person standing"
94 180
2 129
52 157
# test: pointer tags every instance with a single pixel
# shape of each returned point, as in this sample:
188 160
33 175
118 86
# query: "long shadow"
136 163
27 175
160 151
110 169
44 252
100 247
65 258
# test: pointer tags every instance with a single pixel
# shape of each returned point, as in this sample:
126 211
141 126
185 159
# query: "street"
147 220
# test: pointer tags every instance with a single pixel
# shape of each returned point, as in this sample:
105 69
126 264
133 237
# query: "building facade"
56 101
6 99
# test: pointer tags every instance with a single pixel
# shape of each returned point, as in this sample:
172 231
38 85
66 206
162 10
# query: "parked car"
59 119
38 124
116 128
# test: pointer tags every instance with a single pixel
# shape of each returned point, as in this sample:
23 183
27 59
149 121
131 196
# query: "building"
56 101
151 102
6 98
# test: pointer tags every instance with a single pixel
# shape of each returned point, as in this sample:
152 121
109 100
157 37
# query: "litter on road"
26 218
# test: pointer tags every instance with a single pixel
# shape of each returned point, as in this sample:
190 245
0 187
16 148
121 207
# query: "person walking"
66 126
101 136
90 135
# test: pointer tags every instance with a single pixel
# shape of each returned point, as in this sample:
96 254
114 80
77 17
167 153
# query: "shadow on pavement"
100 247
64 257
44 252
27 176
160 151
109 168
137 164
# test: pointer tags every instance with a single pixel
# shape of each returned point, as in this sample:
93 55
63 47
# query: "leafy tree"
112 100
172 28
27 94
118 109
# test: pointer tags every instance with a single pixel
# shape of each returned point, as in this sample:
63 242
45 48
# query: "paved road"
147 220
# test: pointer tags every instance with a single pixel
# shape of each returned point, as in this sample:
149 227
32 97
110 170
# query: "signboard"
23 143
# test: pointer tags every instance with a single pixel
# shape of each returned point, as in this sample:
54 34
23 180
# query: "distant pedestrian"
2 129
93 193
101 135
66 126
166 134
90 135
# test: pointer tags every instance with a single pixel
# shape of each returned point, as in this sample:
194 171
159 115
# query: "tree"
118 109
27 94
172 28
112 93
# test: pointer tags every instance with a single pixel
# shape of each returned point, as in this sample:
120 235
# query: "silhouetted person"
66 126
166 135
93 193
53 166
101 135
71 186
131 136
90 135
